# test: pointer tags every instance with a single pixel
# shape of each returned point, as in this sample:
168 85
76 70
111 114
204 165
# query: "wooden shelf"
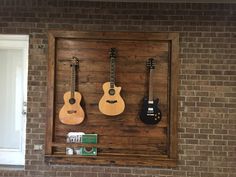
62 154
112 159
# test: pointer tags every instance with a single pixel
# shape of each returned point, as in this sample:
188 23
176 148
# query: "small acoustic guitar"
72 113
111 103
150 112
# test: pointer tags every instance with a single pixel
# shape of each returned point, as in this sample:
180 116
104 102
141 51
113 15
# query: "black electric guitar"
150 113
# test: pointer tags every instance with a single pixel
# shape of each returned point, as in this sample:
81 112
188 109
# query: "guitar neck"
112 72
73 80
150 91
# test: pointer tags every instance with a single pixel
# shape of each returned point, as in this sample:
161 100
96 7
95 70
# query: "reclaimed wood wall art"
123 139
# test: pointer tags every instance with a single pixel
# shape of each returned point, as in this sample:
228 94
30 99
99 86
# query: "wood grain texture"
113 159
123 135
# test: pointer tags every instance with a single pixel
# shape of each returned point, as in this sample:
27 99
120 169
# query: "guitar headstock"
113 53
151 63
74 61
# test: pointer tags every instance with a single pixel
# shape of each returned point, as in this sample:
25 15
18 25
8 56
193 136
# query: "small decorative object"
73 137
87 151
81 137
89 139
69 151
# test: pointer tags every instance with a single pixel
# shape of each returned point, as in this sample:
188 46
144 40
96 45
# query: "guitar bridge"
111 101
71 111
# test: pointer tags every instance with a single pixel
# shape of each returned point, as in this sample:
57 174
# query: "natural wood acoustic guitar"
72 113
111 103
150 112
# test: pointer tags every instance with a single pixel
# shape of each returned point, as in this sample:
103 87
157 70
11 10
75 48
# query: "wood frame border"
164 161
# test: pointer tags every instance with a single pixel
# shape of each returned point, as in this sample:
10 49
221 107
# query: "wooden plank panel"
129 117
131 70
129 145
123 134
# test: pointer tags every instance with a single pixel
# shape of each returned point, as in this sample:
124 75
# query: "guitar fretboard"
72 81
73 76
112 67
150 96
151 65
112 72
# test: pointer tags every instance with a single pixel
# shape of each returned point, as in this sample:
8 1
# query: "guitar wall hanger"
69 60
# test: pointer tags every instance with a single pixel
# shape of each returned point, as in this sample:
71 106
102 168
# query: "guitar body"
150 113
71 113
111 103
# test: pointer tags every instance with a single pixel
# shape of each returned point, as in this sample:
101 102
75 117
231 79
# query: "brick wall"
207 87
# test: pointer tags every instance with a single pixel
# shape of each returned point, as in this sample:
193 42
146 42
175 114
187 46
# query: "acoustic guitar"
72 113
111 103
150 112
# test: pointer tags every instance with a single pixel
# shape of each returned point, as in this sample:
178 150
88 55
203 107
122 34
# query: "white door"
13 94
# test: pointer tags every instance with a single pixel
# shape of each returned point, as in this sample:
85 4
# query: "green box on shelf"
89 139
85 151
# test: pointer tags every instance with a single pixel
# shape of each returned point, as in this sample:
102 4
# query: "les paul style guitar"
111 103
150 113
72 113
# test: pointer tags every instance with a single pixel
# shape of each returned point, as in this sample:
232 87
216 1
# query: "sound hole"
72 101
111 92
